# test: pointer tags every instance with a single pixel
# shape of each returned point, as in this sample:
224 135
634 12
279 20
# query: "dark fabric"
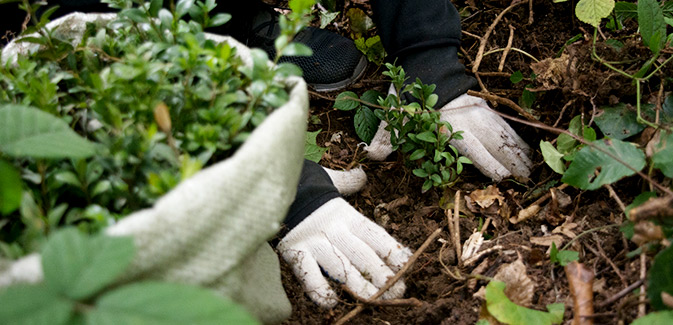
423 37
315 189
11 17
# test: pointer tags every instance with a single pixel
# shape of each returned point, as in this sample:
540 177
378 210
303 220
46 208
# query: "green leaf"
420 172
663 154
505 311
552 157
78 266
135 14
651 24
640 199
563 257
359 22
427 136
33 304
346 101
27 131
301 5
219 20
370 97
182 7
618 122
655 318
10 188
516 77
366 123
155 5
68 177
417 154
592 11
297 49
589 161
660 278
326 18
312 151
166 303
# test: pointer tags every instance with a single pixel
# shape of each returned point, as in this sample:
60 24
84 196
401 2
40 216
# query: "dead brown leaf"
580 280
520 288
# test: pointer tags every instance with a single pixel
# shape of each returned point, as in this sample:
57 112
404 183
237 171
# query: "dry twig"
484 39
393 279
507 49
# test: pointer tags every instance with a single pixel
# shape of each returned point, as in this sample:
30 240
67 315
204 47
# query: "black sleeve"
424 36
315 189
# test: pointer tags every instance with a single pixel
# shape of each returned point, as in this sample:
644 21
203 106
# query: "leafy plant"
415 127
78 272
562 257
103 127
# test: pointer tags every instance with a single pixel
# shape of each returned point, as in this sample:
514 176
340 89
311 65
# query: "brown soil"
571 84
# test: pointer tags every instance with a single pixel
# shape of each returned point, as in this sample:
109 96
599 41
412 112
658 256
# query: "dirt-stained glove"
348 247
492 145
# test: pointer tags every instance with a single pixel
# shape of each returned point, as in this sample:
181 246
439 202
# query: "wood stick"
394 279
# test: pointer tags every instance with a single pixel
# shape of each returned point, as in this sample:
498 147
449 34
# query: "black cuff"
315 189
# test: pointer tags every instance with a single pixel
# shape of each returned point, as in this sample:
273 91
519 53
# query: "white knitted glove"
349 247
492 145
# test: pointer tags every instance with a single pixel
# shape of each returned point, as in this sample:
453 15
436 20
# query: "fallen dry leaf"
645 232
580 281
548 240
520 288
485 198
566 229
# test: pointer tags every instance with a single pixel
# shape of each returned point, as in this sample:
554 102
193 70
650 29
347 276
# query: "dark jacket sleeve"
315 189
424 36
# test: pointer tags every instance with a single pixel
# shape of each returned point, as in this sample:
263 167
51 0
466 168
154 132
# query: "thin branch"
394 279
507 48
484 39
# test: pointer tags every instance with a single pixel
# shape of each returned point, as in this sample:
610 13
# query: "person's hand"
349 248
492 145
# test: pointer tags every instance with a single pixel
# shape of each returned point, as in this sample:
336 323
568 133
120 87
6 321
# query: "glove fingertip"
324 297
396 291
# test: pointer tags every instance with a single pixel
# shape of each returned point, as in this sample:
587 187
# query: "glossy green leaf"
346 101
297 49
592 168
165 303
660 278
618 122
651 24
417 154
427 136
27 131
505 311
79 266
366 123
33 304
10 188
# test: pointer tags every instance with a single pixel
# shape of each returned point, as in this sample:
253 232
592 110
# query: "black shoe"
335 63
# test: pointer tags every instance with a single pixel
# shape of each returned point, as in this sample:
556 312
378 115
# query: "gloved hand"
492 145
328 233
350 249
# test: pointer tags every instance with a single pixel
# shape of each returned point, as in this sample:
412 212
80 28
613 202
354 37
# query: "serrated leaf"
552 157
655 318
27 131
10 188
589 161
165 303
505 311
33 304
663 154
346 101
366 124
660 278
78 266
312 151
592 11
326 18
370 96
651 24
618 122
